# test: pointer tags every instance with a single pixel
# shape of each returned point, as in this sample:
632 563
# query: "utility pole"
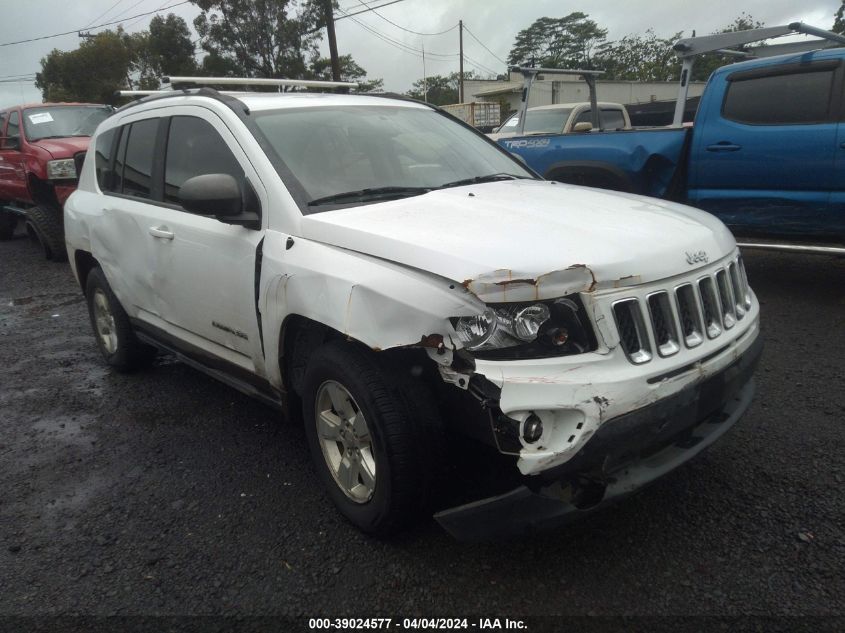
327 8
461 69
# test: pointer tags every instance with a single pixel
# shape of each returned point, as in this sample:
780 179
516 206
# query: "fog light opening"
532 428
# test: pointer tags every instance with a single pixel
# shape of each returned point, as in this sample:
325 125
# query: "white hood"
522 239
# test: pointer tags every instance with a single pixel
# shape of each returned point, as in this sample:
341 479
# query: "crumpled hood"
64 147
523 239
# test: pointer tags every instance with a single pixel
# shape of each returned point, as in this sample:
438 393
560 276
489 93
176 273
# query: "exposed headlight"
61 169
520 330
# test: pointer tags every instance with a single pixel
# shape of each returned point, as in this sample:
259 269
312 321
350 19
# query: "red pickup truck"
42 147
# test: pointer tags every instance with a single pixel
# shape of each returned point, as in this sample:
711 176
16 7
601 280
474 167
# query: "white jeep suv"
405 283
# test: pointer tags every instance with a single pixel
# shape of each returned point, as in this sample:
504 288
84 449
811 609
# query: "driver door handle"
723 146
161 232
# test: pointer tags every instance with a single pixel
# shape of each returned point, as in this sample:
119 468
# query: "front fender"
378 303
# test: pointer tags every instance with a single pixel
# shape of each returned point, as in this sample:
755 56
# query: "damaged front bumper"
623 455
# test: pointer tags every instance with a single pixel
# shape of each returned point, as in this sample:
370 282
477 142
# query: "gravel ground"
167 493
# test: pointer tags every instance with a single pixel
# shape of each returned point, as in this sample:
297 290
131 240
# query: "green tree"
438 89
567 42
93 72
706 64
166 49
839 19
321 68
644 57
260 38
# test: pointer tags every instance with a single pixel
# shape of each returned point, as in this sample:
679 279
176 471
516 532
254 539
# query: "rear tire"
47 225
112 329
8 223
399 459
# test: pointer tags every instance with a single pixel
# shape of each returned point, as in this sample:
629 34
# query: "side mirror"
12 142
212 194
583 126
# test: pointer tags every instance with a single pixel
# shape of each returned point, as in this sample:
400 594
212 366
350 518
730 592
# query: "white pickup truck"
400 281
565 118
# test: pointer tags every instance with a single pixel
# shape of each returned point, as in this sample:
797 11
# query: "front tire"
47 225
112 329
374 434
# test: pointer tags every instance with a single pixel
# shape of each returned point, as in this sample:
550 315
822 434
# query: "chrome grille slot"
632 331
692 328
746 293
663 323
736 285
726 299
710 307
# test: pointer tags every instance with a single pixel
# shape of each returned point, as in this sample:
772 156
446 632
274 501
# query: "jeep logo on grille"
697 258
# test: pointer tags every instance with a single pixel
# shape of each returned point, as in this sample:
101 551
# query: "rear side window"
611 119
14 129
102 159
795 98
138 163
195 148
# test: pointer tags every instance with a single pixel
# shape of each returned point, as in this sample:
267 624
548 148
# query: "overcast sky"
494 22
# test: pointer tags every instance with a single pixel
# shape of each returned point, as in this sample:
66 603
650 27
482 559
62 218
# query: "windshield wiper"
371 193
478 179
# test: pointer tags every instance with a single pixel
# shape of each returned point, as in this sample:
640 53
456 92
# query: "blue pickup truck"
766 153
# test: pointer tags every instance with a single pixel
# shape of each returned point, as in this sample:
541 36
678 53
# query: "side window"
3 117
194 148
13 130
779 99
138 163
612 119
119 160
102 159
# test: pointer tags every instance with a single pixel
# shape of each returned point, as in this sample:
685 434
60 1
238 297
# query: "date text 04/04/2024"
431 624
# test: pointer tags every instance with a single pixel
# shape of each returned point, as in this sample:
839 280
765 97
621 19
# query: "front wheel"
374 434
112 329
46 225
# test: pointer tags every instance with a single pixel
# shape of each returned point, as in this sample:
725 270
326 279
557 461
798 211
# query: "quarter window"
195 148
793 98
102 159
138 164
14 129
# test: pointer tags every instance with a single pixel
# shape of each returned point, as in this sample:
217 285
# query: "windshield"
63 121
389 151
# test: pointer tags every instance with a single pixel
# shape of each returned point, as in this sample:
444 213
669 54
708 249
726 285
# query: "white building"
572 89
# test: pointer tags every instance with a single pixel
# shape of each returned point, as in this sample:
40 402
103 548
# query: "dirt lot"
167 493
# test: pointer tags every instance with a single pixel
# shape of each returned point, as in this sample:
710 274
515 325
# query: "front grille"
710 307
663 323
726 300
632 332
690 316
683 315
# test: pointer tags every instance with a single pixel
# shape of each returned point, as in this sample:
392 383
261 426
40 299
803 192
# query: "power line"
399 44
125 11
482 44
139 19
74 31
479 65
373 9
99 17
32 74
396 44
349 15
